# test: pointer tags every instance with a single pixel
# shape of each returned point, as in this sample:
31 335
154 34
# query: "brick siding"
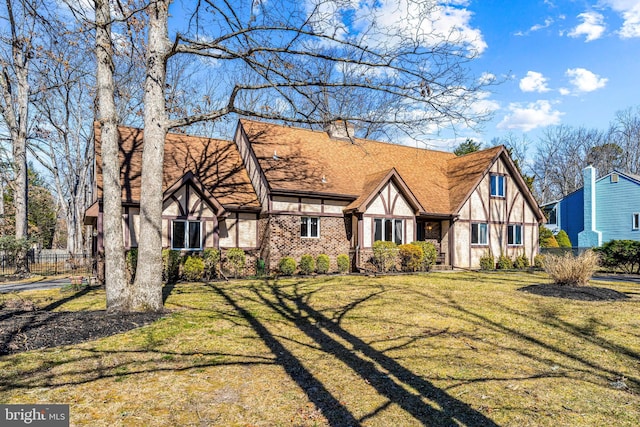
282 238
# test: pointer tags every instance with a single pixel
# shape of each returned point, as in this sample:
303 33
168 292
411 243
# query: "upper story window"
514 235
479 234
497 185
186 235
553 216
635 224
309 226
388 229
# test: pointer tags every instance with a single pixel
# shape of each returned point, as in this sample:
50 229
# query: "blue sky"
565 62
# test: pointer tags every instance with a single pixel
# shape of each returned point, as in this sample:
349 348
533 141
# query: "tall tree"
15 63
467 147
413 61
117 289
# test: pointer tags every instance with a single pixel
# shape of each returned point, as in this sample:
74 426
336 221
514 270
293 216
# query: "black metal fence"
49 264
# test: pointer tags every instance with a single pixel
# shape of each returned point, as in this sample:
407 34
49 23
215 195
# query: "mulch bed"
30 329
582 293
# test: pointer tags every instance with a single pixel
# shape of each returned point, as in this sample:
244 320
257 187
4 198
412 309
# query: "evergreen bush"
211 259
322 264
521 262
344 264
430 254
487 262
237 259
411 257
287 266
504 263
563 239
170 265
307 264
385 255
131 263
193 268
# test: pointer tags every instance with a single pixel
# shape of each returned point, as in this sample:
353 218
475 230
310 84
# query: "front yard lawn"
432 349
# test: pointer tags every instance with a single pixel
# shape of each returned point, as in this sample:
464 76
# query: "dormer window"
614 178
497 185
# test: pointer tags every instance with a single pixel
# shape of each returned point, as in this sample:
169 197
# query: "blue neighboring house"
604 209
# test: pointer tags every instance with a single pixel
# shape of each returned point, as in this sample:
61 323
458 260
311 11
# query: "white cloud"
534 82
528 117
584 80
592 26
564 91
547 24
487 78
630 11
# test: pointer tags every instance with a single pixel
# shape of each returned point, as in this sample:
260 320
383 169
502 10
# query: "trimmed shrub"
237 260
546 238
538 261
344 264
287 266
193 268
131 263
430 254
487 262
170 265
563 239
571 270
621 254
411 257
504 263
211 259
521 262
322 264
307 264
385 255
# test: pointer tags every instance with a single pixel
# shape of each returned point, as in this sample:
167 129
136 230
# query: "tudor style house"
604 209
280 191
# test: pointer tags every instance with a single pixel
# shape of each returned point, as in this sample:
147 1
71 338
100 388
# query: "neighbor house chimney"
589 236
340 129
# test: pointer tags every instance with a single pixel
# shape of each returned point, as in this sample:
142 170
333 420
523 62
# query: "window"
553 217
309 226
497 185
389 230
186 235
636 221
514 235
479 234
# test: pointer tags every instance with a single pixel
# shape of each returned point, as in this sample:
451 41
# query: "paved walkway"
43 284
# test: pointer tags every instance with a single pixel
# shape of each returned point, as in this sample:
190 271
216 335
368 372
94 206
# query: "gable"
216 164
187 199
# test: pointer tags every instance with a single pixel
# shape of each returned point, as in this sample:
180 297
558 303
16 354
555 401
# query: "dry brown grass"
568 269
434 349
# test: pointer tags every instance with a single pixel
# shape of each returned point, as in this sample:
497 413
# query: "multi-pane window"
514 234
497 185
388 229
636 221
186 235
479 234
309 226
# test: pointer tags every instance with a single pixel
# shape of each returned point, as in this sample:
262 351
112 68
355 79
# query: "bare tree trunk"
117 288
2 221
148 282
15 112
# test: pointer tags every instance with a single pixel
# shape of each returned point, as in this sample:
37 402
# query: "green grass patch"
425 349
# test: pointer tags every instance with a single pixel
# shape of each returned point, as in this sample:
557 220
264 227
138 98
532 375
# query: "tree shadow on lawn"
550 319
295 308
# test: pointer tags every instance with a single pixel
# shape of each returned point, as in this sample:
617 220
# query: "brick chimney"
340 129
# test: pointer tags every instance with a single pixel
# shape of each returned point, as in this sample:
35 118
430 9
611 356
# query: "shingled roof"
216 164
308 161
